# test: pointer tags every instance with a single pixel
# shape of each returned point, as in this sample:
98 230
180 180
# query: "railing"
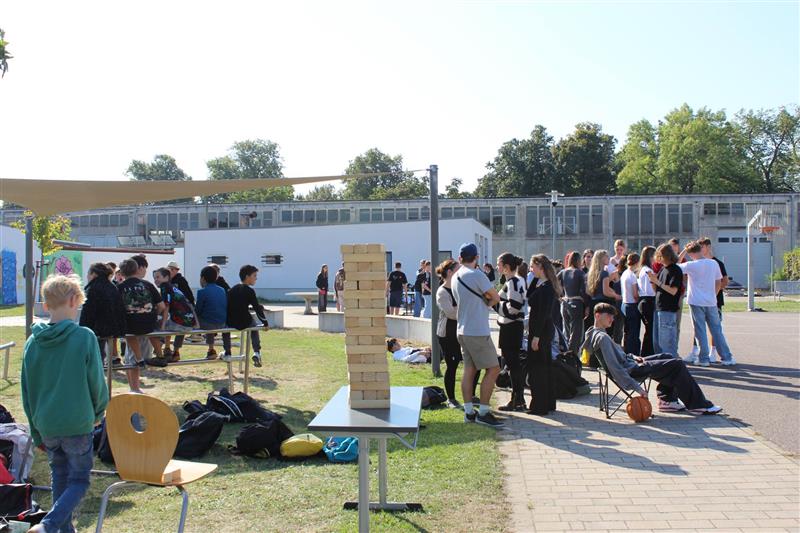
7 349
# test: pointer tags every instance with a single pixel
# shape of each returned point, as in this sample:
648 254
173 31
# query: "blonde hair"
58 289
595 270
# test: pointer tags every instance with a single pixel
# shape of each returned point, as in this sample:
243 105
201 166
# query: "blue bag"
341 449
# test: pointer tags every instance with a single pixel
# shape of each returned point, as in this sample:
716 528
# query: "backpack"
21 451
566 378
262 440
240 407
5 416
433 395
15 499
305 445
180 310
194 407
198 434
101 446
503 379
341 449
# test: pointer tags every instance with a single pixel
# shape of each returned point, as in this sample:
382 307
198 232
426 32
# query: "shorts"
396 299
478 352
145 347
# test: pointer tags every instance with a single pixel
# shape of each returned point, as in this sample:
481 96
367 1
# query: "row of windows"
568 220
653 219
501 220
236 219
315 216
100 221
735 209
394 214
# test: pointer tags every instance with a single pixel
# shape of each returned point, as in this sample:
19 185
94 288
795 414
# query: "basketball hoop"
769 230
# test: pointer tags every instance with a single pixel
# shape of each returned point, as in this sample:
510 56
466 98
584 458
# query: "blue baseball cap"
468 250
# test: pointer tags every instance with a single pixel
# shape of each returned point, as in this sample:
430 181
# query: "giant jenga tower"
365 325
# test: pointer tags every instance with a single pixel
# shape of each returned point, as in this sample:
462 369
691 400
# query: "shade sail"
50 197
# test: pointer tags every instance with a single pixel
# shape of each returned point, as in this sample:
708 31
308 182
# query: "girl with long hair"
647 299
322 286
542 300
511 319
573 302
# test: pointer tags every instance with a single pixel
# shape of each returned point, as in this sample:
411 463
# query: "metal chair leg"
104 504
184 508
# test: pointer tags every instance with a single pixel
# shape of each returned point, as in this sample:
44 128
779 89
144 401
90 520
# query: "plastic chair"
143 433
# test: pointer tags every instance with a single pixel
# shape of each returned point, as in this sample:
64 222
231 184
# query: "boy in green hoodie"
64 395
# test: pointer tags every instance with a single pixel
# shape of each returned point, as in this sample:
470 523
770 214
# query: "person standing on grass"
668 284
396 288
475 295
511 320
647 299
180 315
64 395
629 283
573 303
426 290
338 288
418 289
542 300
241 298
704 280
212 311
322 287
103 311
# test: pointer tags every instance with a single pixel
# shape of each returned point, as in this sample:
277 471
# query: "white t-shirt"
612 265
409 355
702 275
645 287
628 281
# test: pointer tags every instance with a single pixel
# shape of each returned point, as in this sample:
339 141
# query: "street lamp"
554 195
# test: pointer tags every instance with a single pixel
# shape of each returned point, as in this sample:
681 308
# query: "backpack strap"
461 281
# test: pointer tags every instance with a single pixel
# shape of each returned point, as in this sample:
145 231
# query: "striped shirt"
512 298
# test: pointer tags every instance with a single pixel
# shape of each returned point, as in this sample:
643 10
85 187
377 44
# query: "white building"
289 258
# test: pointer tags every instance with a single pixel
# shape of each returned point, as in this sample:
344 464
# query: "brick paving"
577 471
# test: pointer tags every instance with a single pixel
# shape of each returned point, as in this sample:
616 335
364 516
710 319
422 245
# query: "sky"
94 85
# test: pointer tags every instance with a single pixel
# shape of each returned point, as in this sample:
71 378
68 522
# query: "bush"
791 267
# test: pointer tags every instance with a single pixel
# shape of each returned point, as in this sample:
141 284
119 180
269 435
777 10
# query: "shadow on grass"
216 383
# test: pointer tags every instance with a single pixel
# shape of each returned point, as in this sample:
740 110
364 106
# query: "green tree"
321 193
46 230
521 168
4 55
769 139
453 190
163 168
251 159
584 162
391 183
638 161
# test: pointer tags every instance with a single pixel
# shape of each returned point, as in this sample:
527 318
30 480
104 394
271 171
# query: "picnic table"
399 420
308 297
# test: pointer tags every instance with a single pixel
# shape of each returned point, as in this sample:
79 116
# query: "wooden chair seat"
190 472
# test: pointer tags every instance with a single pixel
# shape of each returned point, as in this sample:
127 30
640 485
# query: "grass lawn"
767 304
12 310
456 472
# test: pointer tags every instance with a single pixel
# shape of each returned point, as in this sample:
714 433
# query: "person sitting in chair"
674 380
408 354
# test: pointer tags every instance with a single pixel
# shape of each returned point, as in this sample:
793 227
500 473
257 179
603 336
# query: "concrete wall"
331 322
409 328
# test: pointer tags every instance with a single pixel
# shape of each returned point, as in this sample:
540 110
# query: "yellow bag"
585 357
304 445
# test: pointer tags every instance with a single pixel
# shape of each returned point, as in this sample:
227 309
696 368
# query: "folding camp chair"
603 379
143 433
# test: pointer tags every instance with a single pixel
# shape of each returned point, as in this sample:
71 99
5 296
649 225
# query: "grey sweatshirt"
616 360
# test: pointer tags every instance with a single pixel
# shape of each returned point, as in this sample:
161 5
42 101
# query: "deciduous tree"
46 230
251 159
584 162
521 168
391 183
770 139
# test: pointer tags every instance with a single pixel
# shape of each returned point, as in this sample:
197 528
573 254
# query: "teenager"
511 320
426 290
418 289
446 328
588 254
668 284
396 289
241 298
212 310
647 299
541 299
180 314
573 303
708 252
338 288
598 285
619 253
629 283
322 287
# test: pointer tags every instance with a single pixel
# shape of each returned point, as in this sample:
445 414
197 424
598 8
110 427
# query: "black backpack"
432 396
566 377
239 406
198 434
194 407
101 446
262 440
5 416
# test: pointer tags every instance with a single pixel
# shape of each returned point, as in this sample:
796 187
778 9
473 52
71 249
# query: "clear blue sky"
96 84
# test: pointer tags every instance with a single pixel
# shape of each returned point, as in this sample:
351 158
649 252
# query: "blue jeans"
417 303
426 313
701 316
633 324
656 335
71 460
668 332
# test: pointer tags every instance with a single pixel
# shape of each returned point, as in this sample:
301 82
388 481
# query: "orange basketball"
639 409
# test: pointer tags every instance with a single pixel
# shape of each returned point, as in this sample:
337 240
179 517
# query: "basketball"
639 409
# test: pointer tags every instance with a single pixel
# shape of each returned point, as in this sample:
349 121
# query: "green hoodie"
64 392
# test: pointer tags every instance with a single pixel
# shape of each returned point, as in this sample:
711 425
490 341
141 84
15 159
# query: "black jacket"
103 311
542 300
222 283
322 282
180 282
240 298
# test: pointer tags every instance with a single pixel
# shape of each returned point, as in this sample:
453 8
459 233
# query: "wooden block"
365 276
346 249
357 377
351 266
364 322
366 339
379 339
382 394
378 368
377 265
367 349
379 258
369 376
370 395
362 294
363 267
381 377
355 359
370 404
364 331
350 286
356 395
359 248
379 303
376 248
351 322
350 340
365 313
378 321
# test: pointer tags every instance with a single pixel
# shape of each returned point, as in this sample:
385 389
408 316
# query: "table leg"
109 370
382 481
246 361
308 310
363 485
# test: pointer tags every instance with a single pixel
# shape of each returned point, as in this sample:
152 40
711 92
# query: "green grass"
456 472
766 303
12 310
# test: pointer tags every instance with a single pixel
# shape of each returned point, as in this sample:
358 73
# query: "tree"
251 159
769 139
163 168
4 55
453 190
521 167
638 161
584 162
321 193
391 183
46 230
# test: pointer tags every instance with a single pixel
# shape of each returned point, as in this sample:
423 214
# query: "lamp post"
436 358
554 195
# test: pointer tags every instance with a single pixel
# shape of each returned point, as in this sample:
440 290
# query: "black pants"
572 312
322 301
451 351
674 380
618 325
633 322
540 378
647 307
510 348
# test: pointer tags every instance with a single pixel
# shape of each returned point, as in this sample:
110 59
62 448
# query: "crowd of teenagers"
122 304
593 304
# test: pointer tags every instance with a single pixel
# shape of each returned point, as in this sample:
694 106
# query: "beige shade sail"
51 197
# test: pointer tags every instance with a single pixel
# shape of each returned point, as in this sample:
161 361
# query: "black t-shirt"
426 278
720 296
671 276
397 280
140 298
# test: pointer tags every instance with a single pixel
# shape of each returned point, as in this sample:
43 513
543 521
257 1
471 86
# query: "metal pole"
29 272
751 306
553 226
436 355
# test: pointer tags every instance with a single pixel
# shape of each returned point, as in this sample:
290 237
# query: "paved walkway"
577 471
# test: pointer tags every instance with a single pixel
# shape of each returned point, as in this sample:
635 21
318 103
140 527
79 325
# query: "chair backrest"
143 433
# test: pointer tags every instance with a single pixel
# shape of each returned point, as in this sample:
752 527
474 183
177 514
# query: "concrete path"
577 471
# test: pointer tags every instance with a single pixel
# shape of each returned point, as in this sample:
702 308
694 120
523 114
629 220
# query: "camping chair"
143 433
603 379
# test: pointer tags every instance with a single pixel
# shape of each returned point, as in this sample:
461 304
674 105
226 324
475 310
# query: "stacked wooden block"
365 325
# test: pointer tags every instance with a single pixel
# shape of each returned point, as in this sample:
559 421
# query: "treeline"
686 152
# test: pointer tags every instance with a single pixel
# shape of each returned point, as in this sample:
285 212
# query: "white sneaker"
690 359
714 409
704 365
695 351
713 357
670 407
729 362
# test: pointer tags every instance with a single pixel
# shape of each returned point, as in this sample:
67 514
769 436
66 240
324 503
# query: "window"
266 218
737 209
737 239
724 239
162 221
322 216
660 218
619 220
531 229
234 219
583 219
123 220
220 260
511 220
709 209
472 212
597 219
376 215
400 214
183 221
673 219
459 212
194 220
271 259
308 216
286 217
333 216
687 218
297 216
724 209
344 215
76 222
103 221
388 214
646 219
544 214
172 221
633 219
570 219
484 217
255 222
222 222
413 213
94 220
447 212
363 215
425 213
497 220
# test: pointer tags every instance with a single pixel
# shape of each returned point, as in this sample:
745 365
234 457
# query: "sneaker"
714 409
141 364
729 362
670 407
510 406
476 400
713 358
704 364
116 361
211 354
156 361
167 353
453 404
690 359
176 356
257 359
489 420
470 417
